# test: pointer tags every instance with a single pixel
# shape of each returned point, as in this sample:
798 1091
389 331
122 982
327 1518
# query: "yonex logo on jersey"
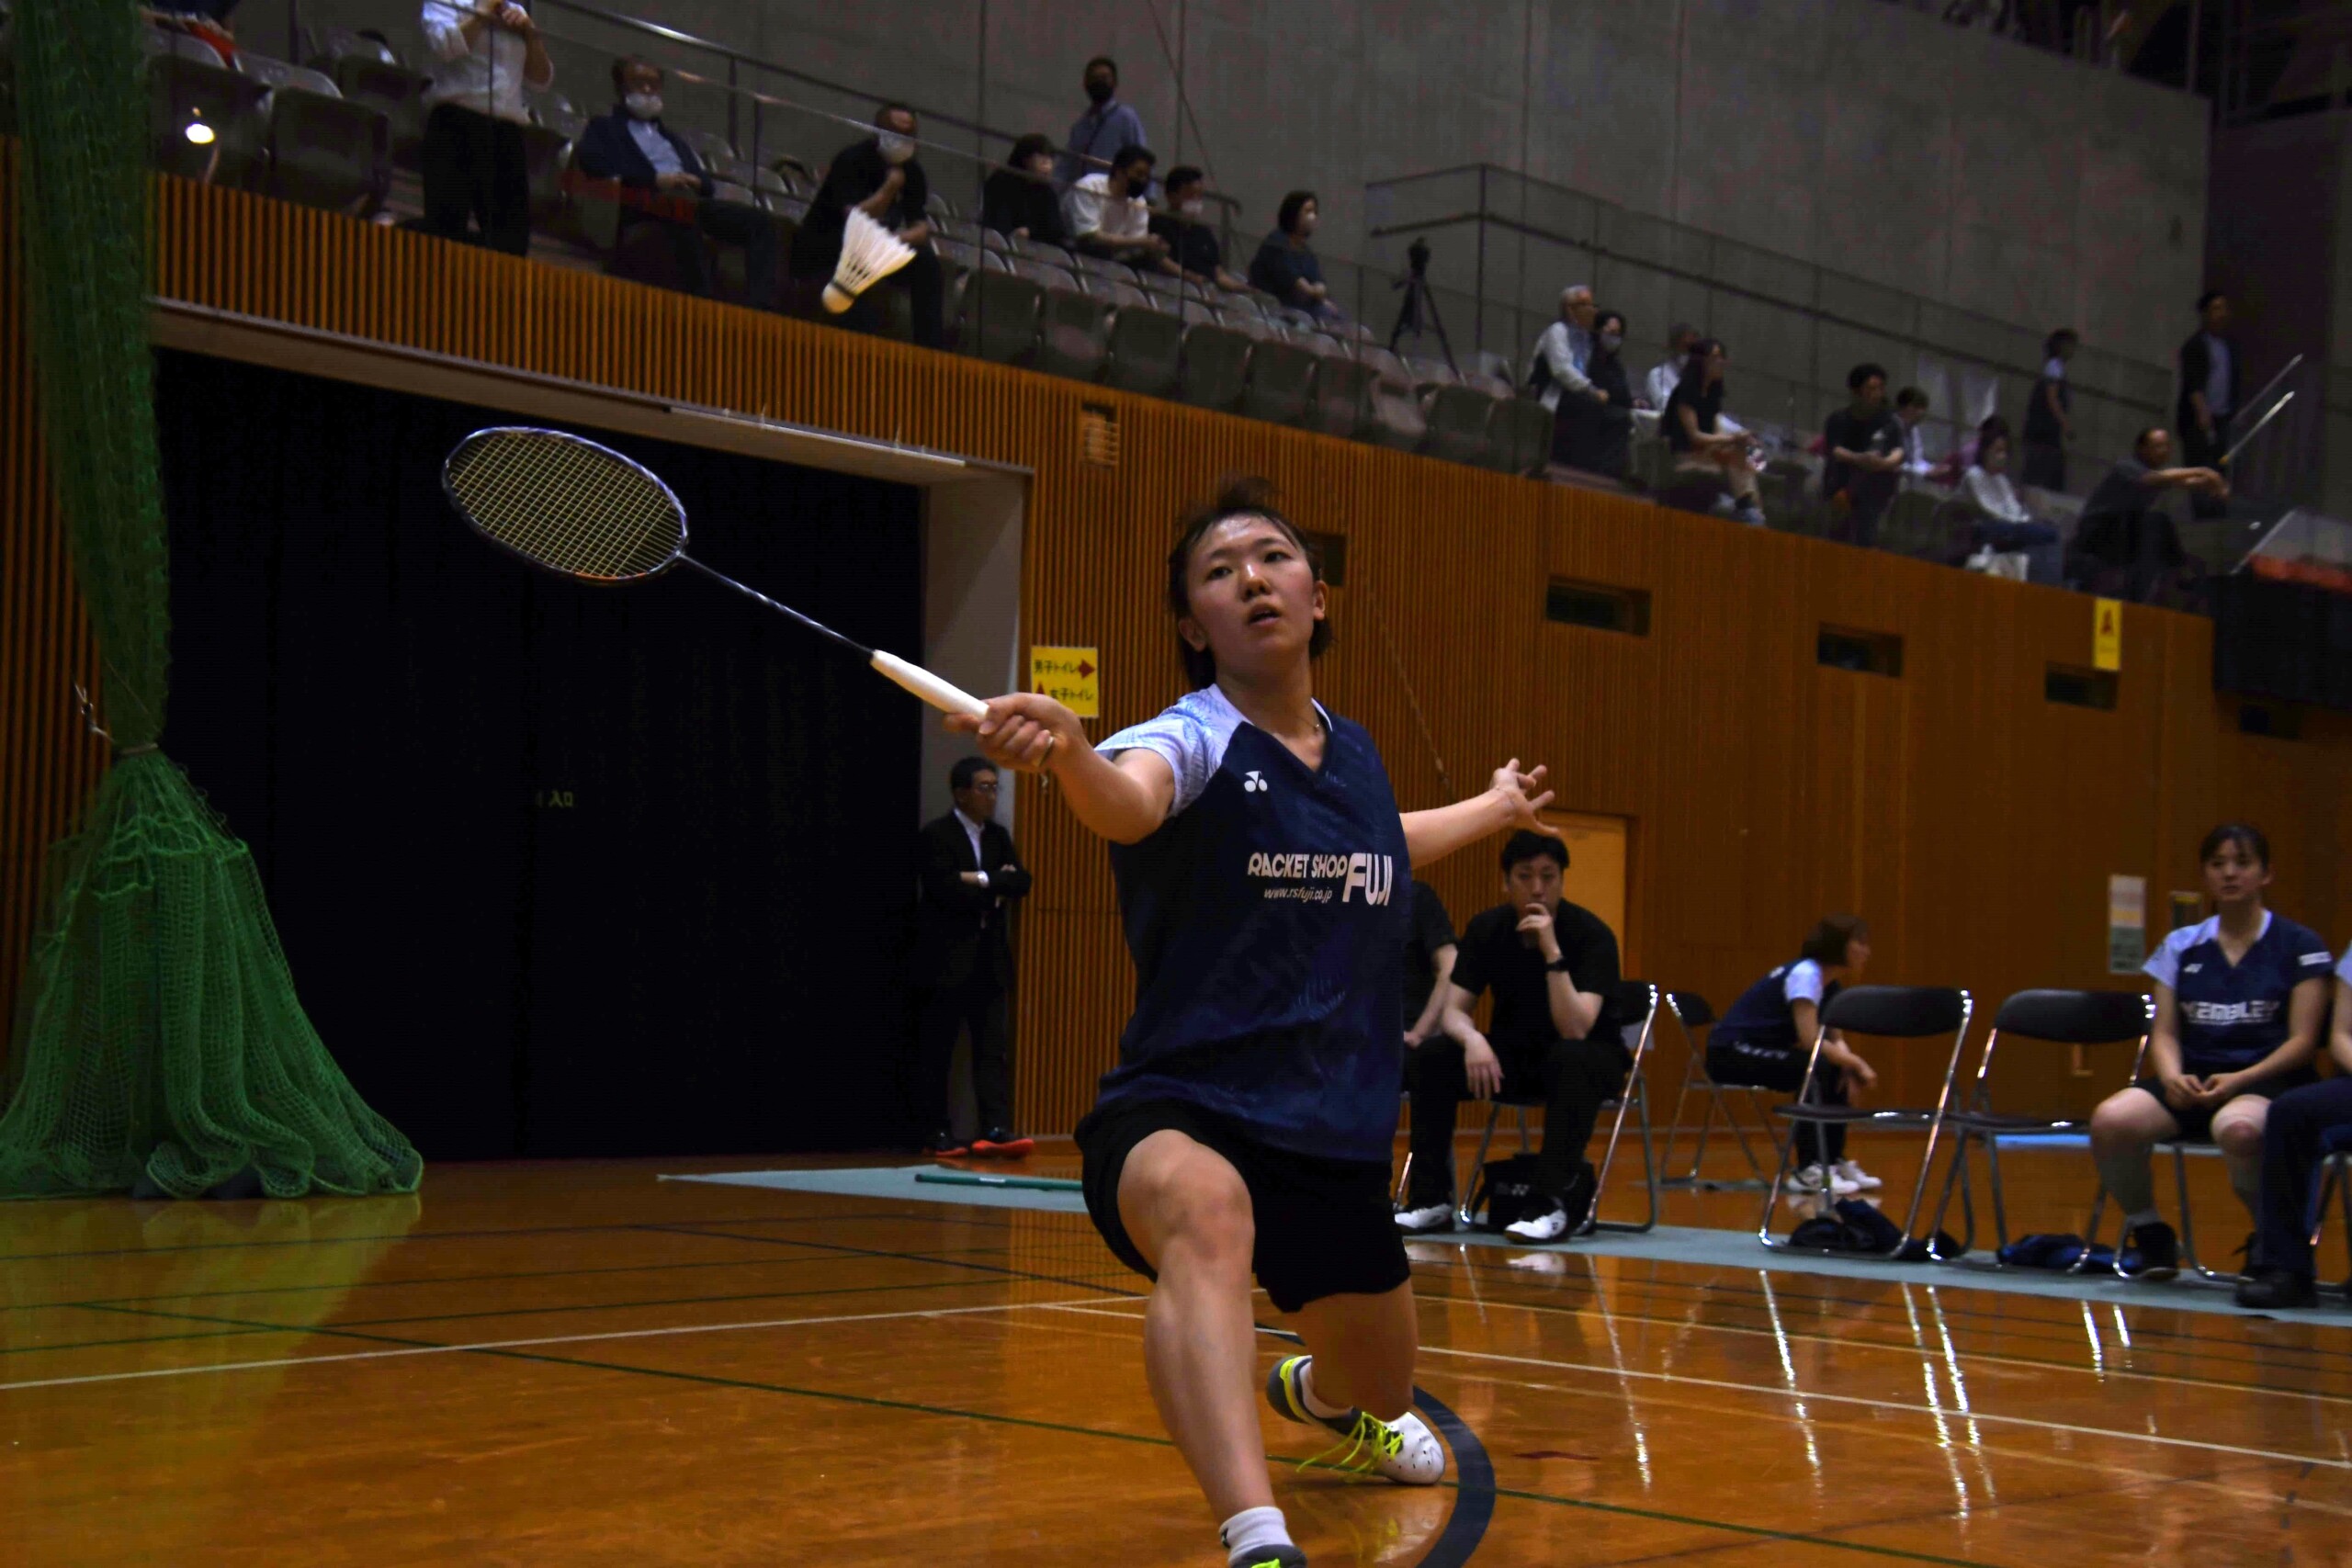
2316 960
1253 783
1374 875
2190 968
2222 1015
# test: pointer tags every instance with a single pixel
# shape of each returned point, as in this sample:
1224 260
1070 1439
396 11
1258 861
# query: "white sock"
2145 1217
1307 1396
1252 1532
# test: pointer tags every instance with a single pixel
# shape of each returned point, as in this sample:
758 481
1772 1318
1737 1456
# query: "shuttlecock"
869 253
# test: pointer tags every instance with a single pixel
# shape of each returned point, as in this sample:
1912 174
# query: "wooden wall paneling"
1975 823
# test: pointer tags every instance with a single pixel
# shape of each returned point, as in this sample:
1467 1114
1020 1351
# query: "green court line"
995 1418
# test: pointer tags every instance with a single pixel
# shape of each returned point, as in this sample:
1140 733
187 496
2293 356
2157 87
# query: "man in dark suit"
963 962
632 145
880 176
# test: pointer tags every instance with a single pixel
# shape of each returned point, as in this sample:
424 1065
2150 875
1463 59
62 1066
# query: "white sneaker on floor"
1437 1217
1863 1179
1550 1225
1822 1179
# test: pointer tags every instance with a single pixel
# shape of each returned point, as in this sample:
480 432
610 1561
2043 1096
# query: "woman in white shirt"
2008 525
489 53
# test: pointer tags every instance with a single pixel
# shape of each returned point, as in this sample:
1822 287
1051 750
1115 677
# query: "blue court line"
1697 1246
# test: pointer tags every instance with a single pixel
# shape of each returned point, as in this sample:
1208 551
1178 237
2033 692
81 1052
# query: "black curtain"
562 870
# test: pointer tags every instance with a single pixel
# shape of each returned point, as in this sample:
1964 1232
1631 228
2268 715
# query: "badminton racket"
571 507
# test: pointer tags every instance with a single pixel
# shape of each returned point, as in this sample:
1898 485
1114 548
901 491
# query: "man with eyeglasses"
963 962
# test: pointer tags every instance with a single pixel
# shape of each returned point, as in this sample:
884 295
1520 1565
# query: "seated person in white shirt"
475 174
1659 384
632 145
2007 523
1108 217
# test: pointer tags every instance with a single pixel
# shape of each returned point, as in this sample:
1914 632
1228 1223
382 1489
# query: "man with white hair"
1558 372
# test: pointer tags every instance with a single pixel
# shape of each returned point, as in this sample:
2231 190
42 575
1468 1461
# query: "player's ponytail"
1239 495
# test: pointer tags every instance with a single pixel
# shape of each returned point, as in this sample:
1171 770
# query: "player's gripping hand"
1023 730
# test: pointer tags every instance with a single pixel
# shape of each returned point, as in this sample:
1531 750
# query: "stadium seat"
1926 526
1342 386
1216 361
182 91
330 44
558 114
1428 372
1281 389
1147 345
1519 435
1459 418
1487 363
546 155
1390 414
1089 266
996 318
322 151
399 92
1073 328
709 146
170 42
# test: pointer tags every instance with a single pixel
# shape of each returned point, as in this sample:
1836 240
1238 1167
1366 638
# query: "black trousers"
2304 1126
1572 1077
1782 1067
977 1004
927 287
730 223
475 173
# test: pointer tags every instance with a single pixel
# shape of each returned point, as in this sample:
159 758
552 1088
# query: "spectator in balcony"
1096 136
1020 198
1668 371
2209 395
1603 432
2049 414
632 145
1107 216
1557 373
1863 444
2123 546
1910 413
490 54
1190 236
879 177
1693 419
2007 523
1286 267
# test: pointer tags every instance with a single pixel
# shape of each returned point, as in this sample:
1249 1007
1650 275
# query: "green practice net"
160 1045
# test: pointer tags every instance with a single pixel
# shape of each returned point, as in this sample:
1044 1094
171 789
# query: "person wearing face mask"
630 144
880 177
1108 217
1601 437
1286 268
1019 199
1096 136
1192 242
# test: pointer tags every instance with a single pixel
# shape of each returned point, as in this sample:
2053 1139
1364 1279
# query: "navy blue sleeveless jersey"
1267 919
2231 1016
1765 1013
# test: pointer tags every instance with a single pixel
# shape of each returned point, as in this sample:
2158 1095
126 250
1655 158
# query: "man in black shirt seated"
1020 198
1864 447
632 145
880 176
1192 242
1552 964
2124 546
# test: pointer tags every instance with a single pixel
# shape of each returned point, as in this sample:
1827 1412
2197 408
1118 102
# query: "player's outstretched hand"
1518 792
1022 731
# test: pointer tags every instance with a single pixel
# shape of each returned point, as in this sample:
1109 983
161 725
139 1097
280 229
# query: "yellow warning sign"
2107 634
1071 676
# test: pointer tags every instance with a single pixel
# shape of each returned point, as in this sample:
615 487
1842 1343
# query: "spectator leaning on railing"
1286 267
879 177
1192 241
1096 136
1557 371
630 144
2123 546
1107 217
489 53
1020 199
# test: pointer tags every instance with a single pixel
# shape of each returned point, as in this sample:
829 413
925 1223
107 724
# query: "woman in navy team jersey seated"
2241 998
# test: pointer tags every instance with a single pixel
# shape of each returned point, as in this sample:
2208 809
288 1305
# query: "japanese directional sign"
1071 676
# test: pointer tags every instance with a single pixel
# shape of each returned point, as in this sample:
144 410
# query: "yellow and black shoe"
1405 1449
1275 1557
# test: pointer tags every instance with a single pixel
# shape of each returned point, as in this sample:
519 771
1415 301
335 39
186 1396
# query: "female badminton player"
1262 872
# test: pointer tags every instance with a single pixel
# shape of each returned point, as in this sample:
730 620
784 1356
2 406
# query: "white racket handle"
939 694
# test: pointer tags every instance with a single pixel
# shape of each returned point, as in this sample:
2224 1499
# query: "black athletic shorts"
1325 1227
2197 1126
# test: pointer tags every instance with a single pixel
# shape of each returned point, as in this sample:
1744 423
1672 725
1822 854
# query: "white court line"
512 1344
1783 1393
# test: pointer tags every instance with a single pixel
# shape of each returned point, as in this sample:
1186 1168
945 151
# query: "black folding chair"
1636 1001
1692 1013
2059 1018
2180 1150
2335 1179
1902 1012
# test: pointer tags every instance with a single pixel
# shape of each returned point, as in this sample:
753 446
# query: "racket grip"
941 695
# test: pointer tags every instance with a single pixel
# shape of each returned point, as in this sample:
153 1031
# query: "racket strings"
568 505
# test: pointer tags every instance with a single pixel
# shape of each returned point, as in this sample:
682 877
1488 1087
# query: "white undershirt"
972 831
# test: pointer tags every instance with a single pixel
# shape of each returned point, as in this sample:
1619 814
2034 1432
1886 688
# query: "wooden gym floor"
578 1364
